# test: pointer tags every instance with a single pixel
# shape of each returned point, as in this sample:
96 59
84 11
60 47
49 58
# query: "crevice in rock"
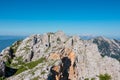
62 71
32 54
66 63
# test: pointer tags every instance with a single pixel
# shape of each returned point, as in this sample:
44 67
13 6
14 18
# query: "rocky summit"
57 56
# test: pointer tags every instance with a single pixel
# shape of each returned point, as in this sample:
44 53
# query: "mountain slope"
107 47
55 56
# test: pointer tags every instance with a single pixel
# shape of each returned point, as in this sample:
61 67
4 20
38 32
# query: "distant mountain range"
86 37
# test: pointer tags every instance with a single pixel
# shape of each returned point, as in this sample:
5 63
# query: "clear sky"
92 17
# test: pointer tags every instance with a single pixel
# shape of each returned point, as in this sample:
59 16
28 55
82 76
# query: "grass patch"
29 65
104 77
21 69
14 47
36 78
26 48
92 78
34 63
2 78
8 62
43 72
86 78
20 62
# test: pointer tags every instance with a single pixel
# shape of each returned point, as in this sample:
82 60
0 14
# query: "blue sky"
92 17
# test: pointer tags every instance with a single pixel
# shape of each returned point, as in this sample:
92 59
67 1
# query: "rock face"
110 48
55 56
2 68
66 69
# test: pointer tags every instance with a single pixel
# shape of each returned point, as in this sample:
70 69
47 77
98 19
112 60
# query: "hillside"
56 56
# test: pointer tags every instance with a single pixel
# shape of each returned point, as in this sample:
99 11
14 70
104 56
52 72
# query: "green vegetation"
27 48
2 78
104 77
21 69
43 72
14 47
20 62
29 65
58 39
8 62
29 40
34 63
32 72
86 78
92 78
36 78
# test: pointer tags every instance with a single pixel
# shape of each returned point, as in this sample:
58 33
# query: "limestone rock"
108 47
64 58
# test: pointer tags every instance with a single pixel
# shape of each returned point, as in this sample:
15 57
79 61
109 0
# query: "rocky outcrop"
2 69
66 70
107 47
55 56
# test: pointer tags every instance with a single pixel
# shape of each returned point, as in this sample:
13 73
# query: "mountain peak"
56 56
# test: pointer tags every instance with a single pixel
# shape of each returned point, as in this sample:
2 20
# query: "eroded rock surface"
107 47
66 69
56 56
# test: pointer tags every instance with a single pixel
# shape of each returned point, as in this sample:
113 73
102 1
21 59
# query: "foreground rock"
55 56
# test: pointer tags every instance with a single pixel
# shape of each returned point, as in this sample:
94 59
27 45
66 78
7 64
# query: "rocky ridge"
56 56
107 47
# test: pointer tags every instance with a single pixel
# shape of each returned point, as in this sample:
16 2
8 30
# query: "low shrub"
104 77
29 65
